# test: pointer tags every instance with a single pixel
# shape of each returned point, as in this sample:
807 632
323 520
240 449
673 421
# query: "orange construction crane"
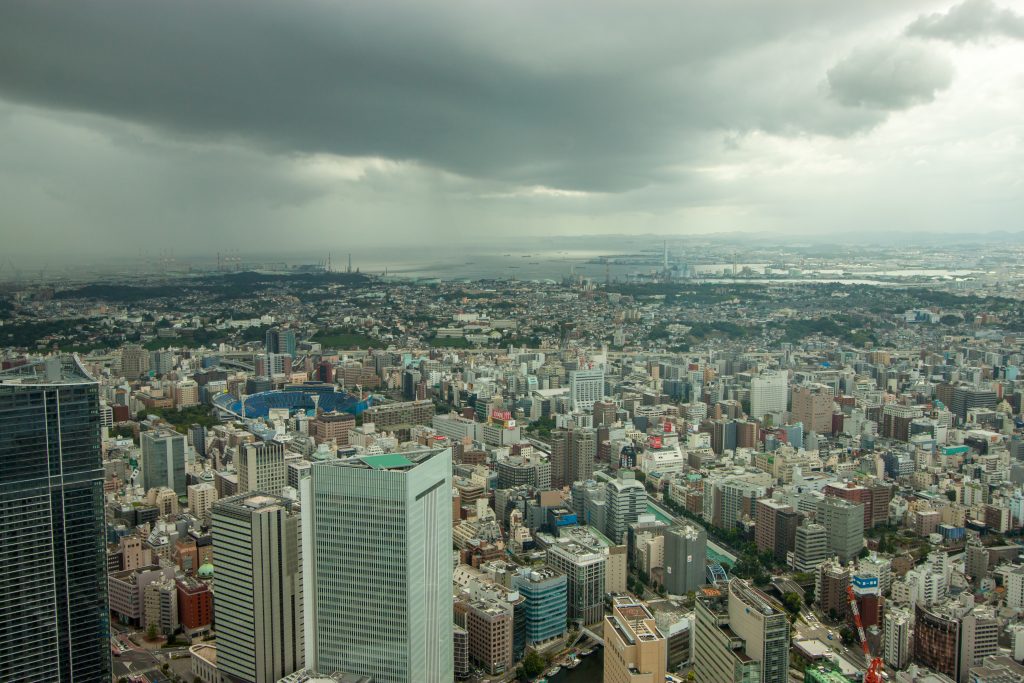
874 672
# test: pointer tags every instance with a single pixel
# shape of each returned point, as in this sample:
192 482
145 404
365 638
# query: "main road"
139 661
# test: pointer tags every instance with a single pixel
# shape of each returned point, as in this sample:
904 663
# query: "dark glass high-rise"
54 615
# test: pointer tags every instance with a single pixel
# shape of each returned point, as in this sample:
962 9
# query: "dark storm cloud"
197 125
969 21
892 75
594 96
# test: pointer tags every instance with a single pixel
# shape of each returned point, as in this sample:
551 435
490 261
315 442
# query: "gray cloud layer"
592 96
215 121
890 76
971 20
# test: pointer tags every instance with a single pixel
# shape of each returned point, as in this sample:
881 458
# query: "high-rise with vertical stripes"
258 600
379 534
53 585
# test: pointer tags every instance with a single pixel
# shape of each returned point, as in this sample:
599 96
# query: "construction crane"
874 672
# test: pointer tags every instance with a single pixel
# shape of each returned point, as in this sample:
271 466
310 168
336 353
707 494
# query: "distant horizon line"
599 242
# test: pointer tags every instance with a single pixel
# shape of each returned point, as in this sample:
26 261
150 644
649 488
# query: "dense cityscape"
306 474
427 341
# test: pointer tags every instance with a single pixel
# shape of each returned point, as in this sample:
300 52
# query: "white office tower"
261 467
625 501
258 600
769 393
896 637
380 534
585 388
1013 581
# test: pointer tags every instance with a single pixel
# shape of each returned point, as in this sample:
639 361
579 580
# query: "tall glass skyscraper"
545 591
163 460
53 585
380 535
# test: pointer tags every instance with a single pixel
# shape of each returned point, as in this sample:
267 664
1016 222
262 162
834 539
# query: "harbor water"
590 669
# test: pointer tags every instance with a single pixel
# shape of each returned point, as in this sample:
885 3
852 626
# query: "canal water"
591 669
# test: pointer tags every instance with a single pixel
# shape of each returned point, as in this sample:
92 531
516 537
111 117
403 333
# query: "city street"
138 661
813 629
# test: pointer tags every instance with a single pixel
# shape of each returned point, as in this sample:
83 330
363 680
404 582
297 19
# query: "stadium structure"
306 397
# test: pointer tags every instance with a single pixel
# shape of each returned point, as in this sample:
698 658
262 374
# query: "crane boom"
874 672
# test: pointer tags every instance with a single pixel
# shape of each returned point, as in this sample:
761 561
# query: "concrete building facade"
685 558
719 653
585 569
259 597
625 501
844 522
635 650
810 547
764 627
813 407
261 467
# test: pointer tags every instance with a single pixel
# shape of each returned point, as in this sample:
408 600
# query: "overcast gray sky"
211 123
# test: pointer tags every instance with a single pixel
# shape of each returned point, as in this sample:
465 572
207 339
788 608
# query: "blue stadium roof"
294 398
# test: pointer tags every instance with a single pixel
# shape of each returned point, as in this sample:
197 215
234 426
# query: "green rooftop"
658 514
821 674
388 461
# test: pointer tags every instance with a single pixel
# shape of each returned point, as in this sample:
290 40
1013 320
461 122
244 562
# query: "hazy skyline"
255 124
